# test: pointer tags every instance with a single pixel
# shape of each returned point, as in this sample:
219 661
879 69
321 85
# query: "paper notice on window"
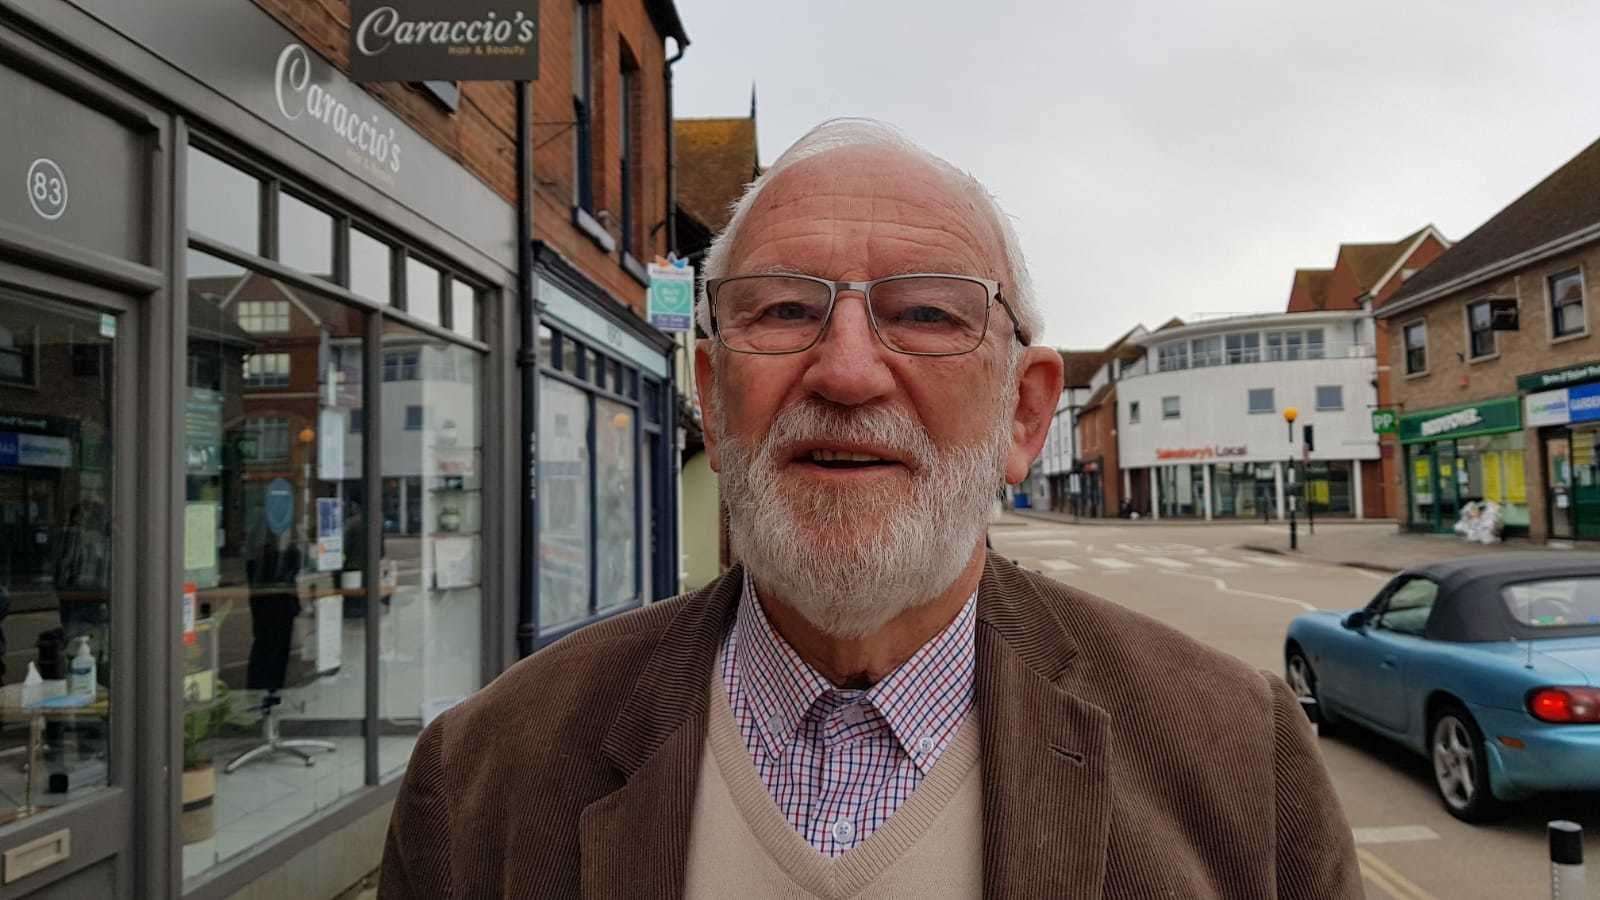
1492 489
1516 480
454 562
330 631
200 543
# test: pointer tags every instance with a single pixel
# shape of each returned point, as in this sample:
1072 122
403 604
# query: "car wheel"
1303 681
1461 767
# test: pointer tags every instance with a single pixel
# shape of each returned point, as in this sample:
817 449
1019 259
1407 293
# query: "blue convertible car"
1489 666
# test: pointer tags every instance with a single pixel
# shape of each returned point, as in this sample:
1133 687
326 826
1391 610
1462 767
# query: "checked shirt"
839 762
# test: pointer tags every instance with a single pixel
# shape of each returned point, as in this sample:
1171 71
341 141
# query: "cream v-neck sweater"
741 846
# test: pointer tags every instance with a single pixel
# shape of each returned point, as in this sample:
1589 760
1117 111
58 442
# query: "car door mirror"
1357 620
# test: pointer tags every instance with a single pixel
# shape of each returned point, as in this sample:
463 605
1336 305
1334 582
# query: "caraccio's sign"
1486 417
429 40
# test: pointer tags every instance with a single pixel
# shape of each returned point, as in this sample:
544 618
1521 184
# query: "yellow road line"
1383 875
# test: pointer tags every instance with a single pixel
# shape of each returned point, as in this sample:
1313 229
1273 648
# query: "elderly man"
870 704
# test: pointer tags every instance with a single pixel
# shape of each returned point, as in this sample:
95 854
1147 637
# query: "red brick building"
1363 277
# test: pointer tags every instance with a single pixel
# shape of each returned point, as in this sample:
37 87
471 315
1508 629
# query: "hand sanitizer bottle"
80 671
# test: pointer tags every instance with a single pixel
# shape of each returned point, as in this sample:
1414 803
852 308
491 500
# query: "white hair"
836 134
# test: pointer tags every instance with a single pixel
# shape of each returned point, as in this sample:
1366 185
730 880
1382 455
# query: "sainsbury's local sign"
426 40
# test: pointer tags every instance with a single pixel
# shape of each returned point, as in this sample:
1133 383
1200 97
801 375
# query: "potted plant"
202 719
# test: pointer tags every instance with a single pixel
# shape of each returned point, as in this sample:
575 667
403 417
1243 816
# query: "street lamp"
1289 415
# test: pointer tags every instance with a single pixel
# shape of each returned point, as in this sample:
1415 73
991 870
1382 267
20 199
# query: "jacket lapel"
1046 796
634 841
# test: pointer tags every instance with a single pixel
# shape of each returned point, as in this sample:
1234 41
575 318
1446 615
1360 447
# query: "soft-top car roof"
1471 606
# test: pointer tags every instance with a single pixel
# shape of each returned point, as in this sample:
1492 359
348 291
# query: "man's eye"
925 315
787 312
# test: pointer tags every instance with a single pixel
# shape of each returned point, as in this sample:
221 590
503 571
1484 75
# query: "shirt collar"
924 700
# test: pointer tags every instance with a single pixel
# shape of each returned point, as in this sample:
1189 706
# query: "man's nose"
849 365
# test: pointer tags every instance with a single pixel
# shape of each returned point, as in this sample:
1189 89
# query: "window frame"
1406 349
1474 332
1554 308
1250 401
1248 349
1384 608
1133 412
1176 407
1172 351
583 106
1318 397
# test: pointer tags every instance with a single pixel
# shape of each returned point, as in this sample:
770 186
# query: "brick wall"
621 35
479 134
1098 433
1391 463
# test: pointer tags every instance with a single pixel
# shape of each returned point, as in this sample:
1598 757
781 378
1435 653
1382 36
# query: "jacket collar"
1039 741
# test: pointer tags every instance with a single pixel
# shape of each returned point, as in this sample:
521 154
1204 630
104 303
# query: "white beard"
845 576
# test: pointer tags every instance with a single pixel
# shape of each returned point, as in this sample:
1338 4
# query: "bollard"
1566 861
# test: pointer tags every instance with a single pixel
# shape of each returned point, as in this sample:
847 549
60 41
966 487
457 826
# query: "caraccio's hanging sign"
1487 417
427 40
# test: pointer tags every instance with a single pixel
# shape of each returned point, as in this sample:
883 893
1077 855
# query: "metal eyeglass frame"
864 288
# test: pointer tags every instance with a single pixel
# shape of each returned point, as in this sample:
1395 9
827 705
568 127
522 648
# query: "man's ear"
1038 389
706 390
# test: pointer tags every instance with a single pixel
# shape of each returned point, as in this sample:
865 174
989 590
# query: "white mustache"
877 426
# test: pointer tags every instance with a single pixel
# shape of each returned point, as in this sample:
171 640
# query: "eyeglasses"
919 315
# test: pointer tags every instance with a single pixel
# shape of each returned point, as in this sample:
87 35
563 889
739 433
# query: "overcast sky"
1176 158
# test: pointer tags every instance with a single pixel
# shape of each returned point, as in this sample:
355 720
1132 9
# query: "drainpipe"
676 442
528 368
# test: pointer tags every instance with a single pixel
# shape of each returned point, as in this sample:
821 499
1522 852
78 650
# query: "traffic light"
1310 444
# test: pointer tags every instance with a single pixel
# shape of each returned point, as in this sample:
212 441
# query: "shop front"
1219 481
1566 423
1461 454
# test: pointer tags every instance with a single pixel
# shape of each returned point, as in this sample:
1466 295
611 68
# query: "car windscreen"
1555 604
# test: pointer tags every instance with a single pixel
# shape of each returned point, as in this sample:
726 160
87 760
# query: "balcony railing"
1151 363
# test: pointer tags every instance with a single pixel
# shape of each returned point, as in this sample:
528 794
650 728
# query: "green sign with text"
1385 421
1553 378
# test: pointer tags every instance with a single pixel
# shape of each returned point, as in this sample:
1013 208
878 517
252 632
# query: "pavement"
1378 545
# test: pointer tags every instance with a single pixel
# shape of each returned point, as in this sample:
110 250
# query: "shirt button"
843 831
775 725
925 744
854 716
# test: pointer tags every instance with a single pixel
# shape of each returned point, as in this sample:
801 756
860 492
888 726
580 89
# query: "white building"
1201 418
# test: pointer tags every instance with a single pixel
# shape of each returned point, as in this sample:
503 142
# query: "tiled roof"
1369 262
1314 284
716 158
1079 366
1565 202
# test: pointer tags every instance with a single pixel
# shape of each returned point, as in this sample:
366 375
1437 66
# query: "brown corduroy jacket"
1120 759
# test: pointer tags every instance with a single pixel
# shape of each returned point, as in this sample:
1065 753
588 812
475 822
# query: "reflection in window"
371 267
400 365
430 630
224 204
266 370
423 285
274 555
57 567
305 237
564 463
264 316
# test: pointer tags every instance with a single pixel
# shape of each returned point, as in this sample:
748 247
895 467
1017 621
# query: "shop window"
1261 401
1416 342
616 498
1244 348
58 566
1133 412
547 347
274 560
424 283
1330 397
305 237
1481 342
224 203
1171 357
371 267
18 350
564 475
1169 408
431 624
1566 304
263 370
264 316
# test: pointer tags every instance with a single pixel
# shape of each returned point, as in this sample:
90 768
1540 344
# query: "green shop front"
1460 454
1563 405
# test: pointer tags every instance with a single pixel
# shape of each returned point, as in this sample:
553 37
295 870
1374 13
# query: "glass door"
1558 481
1585 475
66 571
1448 472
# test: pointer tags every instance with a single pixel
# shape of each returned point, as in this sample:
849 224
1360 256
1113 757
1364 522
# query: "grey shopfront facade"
260 435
